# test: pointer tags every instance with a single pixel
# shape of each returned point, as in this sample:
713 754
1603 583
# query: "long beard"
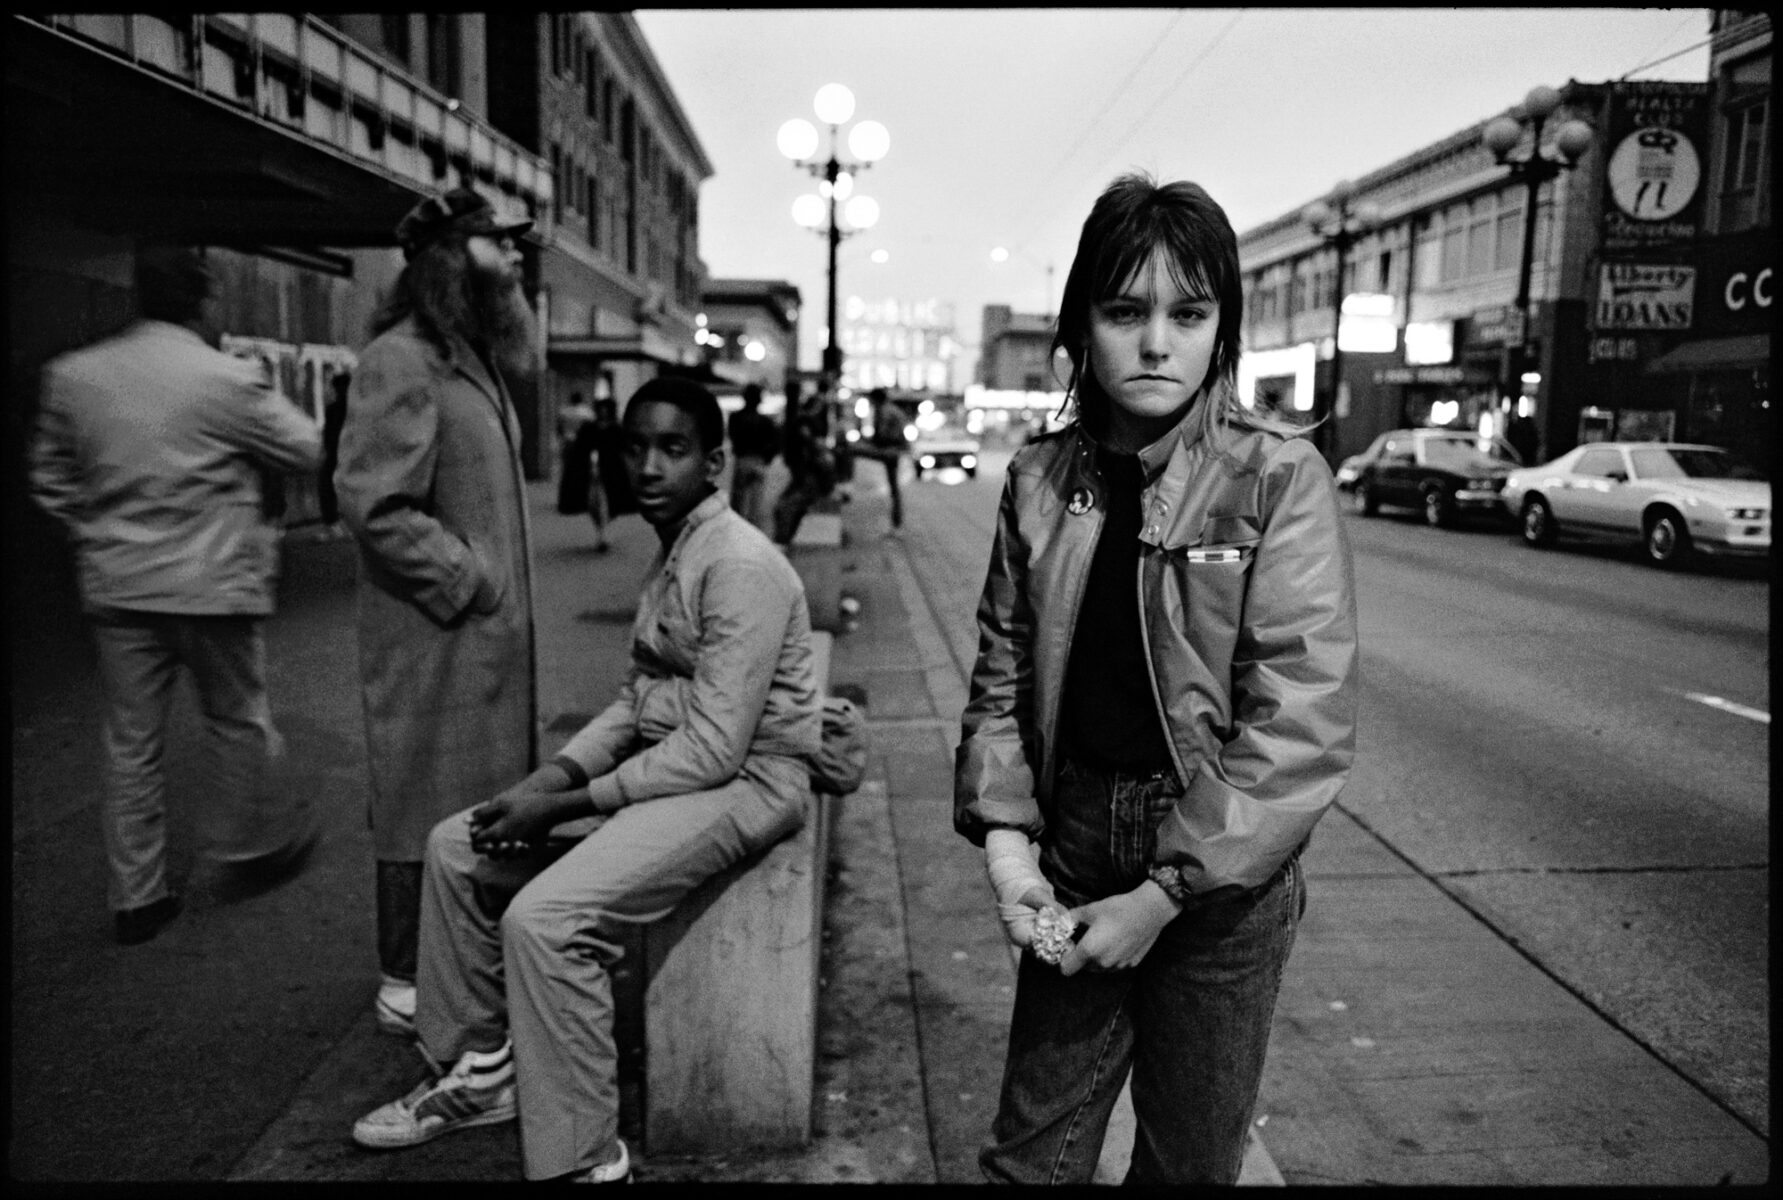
505 324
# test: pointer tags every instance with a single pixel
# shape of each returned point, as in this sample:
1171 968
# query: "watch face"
1654 173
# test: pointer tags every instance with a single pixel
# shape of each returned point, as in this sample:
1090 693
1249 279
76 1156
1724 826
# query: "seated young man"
701 760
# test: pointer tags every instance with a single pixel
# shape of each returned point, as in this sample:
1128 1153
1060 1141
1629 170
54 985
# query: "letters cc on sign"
1741 286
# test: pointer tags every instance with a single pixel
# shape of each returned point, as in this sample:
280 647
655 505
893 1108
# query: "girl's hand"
1018 918
1120 930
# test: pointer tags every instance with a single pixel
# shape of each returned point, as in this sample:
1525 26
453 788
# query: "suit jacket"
149 449
431 486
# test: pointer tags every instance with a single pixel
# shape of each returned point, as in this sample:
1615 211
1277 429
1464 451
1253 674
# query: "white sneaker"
479 1090
396 1007
617 1171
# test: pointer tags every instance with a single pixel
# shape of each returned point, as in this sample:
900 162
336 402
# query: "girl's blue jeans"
1191 1022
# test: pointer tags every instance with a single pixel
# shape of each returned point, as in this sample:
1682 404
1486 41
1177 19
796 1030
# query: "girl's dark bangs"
1193 260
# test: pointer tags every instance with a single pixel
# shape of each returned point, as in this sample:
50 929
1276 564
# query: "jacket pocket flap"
1238 530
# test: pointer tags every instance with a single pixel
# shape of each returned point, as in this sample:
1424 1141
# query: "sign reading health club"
1656 147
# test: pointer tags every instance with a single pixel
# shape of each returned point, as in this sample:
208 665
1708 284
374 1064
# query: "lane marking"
1738 710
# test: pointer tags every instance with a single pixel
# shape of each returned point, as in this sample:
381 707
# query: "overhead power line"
1668 57
1163 96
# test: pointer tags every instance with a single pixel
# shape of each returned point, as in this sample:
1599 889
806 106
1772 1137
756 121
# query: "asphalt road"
1540 736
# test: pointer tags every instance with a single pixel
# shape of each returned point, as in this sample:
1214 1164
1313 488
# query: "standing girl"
1163 706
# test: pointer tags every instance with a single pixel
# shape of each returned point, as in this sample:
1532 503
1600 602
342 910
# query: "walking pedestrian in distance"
755 439
1163 706
431 487
149 449
889 445
572 477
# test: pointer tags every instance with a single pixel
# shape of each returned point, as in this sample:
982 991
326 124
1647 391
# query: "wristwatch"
1170 879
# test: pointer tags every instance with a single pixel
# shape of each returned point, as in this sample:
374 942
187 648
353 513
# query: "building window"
591 85
1454 247
556 44
395 29
1509 249
594 212
443 54
1479 239
1745 147
1383 271
566 40
1429 256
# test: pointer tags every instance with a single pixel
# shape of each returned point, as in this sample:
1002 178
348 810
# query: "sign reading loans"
1644 296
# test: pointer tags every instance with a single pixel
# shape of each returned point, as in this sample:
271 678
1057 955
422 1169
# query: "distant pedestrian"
755 440
334 415
810 461
888 447
1524 438
149 449
431 486
599 447
702 758
1164 704
572 476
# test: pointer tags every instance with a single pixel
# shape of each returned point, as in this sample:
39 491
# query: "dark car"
1442 473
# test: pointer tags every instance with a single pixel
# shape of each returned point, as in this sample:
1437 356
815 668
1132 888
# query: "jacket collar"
1173 446
468 363
702 512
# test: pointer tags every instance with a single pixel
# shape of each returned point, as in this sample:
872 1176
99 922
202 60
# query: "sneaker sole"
393 1141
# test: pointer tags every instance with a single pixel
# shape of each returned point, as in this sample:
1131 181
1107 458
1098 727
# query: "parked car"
1673 498
1443 473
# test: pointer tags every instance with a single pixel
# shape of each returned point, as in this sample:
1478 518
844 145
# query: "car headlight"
1746 514
968 461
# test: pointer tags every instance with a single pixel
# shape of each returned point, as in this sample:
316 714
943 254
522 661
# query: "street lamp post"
1535 166
1339 223
867 142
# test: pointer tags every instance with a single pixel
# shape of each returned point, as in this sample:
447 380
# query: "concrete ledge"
730 997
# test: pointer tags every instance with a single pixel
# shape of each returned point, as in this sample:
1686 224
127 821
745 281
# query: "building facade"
286 146
1431 332
1015 351
619 276
1716 375
749 332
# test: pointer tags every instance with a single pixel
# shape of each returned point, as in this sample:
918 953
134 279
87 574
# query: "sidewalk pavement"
1411 1044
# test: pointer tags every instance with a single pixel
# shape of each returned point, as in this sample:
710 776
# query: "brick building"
1435 280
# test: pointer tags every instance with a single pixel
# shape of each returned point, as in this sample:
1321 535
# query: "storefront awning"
1714 354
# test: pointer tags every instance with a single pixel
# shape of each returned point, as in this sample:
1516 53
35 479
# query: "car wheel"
1539 528
1667 542
1436 508
1362 500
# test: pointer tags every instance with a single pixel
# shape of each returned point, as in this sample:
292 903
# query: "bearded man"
431 487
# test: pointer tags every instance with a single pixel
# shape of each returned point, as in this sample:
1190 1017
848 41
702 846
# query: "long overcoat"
431 487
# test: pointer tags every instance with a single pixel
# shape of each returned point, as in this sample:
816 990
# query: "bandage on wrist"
1012 862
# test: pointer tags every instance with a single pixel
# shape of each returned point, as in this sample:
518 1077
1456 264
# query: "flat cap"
461 210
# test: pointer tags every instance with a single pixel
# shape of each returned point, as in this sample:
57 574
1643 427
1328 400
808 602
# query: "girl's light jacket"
1248 609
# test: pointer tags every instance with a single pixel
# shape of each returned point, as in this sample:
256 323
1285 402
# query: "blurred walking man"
430 485
755 439
149 450
701 760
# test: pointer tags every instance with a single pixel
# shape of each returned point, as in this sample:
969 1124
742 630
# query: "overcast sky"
1006 123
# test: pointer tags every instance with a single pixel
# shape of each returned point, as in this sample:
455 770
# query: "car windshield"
1460 455
1657 462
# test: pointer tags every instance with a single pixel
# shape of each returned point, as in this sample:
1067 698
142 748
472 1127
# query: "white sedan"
1670 497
